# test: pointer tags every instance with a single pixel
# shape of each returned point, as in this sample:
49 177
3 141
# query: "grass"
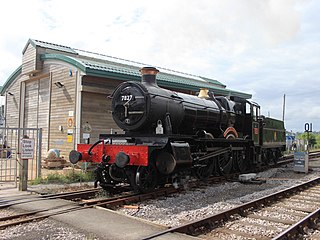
72 177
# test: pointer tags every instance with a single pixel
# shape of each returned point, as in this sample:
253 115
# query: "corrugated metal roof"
10 79
115 61
215 82
131 73
166 79
57 47
134 65
95 64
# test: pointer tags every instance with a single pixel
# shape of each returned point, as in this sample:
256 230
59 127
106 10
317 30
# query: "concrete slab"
103 223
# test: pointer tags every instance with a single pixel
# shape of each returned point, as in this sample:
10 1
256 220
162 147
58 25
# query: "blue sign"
290 138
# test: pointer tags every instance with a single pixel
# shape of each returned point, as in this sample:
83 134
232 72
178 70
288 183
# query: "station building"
66 92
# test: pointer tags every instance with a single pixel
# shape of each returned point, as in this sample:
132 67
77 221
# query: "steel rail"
116 201
75 208
26 214
66 196
109 202
291 232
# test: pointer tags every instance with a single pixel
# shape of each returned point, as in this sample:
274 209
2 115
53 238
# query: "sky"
268 48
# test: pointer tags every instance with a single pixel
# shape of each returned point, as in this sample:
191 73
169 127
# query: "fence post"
23 174
39 147
27 152
23 183
18 137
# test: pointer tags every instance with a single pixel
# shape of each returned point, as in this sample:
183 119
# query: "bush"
72 177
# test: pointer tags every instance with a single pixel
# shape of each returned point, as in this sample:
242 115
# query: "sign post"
301 159
27 151
301 162
308 129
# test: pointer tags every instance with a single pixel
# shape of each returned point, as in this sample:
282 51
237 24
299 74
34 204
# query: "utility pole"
284 106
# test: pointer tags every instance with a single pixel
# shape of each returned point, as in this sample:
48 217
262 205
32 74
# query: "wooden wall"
13 104
45 106
38 103
31 104
96 106
62 102
29 59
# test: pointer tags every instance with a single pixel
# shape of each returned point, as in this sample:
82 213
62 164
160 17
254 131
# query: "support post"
27 152
283 107
39 154
23 176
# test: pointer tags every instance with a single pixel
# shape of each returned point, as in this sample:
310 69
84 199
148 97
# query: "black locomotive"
170 135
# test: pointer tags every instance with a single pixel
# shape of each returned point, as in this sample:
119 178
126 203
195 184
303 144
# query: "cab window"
248 108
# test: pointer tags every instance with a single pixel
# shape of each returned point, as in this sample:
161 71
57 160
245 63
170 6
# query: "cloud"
266 48
220 30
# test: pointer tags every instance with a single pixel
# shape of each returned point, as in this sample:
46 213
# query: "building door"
36 108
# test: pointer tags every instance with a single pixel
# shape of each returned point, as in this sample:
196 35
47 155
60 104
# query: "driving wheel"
146 178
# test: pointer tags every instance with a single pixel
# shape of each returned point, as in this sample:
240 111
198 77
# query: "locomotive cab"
267 135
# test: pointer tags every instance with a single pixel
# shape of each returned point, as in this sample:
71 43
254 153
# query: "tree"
312 138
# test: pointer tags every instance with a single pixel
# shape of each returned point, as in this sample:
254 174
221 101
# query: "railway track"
74 195
282 215
89 193
111 203
129 199
313 154
62 209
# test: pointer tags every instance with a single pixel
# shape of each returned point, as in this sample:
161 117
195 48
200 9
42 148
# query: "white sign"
27 148
301 162
86 135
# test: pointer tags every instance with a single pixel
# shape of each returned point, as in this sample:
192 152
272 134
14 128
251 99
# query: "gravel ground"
171 211
59 188
45 230
183 208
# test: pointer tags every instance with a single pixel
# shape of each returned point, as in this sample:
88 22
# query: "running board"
215 153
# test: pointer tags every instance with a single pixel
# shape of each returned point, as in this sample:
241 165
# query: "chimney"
148 75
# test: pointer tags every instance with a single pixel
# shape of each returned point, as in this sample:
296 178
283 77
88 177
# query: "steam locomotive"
171 136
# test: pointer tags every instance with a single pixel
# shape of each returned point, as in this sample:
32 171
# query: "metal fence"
10 153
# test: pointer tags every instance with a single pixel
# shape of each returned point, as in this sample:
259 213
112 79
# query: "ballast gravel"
192 205
46 229
43 230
